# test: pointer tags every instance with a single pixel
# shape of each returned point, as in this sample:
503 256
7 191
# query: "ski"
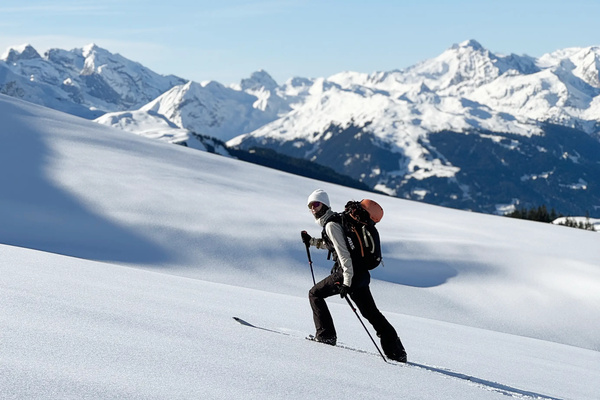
309 337
245 323
484 383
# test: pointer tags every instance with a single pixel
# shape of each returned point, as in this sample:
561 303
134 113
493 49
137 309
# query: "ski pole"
366 330
310 263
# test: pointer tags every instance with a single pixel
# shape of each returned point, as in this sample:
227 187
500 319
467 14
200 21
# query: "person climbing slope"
348 278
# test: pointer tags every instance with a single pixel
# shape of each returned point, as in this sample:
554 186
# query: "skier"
345 279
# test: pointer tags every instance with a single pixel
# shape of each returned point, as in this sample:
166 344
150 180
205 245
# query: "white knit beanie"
320 196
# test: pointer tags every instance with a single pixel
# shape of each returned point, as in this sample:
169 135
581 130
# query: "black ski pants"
365 303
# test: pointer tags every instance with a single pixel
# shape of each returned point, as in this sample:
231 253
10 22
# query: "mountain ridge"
467 89
88 78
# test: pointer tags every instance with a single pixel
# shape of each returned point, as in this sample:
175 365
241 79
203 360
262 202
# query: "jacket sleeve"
336 234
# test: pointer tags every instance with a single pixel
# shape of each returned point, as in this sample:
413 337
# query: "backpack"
362 238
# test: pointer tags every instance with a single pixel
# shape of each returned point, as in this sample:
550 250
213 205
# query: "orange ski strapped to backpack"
373 208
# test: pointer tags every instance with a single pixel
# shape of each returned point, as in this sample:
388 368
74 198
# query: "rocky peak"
20 53
259 79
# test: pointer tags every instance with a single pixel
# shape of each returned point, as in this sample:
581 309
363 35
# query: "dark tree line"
541 214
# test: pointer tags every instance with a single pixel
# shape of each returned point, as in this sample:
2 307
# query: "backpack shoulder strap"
335 217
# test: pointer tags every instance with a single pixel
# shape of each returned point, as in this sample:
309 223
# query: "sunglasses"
314 204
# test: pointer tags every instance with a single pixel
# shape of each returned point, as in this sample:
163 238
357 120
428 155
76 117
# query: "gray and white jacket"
335 232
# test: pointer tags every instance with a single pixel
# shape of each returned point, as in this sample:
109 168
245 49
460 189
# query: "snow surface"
124 260
153 125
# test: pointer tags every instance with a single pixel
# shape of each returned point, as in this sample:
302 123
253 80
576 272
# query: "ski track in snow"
482 383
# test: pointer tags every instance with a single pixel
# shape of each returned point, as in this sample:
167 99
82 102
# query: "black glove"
344 290
306 238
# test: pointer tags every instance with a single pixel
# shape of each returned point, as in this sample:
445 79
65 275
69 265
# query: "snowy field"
123 261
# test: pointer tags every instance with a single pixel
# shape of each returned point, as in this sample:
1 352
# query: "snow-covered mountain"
86 82
212 109
208 109
124 259
468 129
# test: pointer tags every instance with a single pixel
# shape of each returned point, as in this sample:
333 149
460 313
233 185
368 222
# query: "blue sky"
227 40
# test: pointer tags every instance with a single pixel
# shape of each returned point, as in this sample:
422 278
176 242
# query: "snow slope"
124 259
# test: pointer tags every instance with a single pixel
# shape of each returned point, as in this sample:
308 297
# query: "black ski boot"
330 341
394 350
